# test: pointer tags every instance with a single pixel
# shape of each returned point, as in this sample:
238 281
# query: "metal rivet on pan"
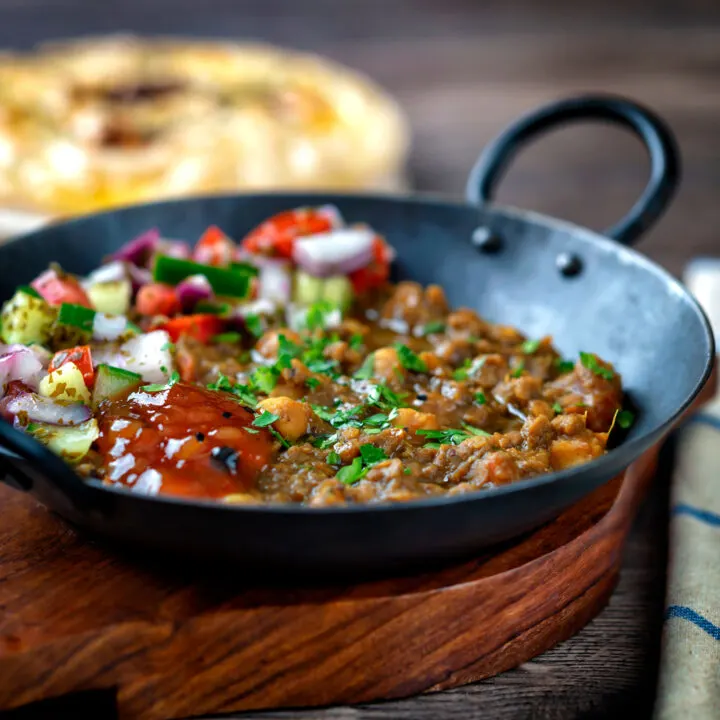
486 241
568 264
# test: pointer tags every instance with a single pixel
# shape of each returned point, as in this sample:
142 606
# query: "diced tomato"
377 272
56 289
157 299
214 248
186 365
200 327
81 357
276 236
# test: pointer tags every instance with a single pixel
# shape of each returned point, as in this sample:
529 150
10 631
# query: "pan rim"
607 465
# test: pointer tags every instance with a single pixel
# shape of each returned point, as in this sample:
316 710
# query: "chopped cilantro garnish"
356 342
530 346
264 379
384 397
156 387
287 350
591 363
351 473
407 471
557 407
222 383
358 468
251 430
254 324
432 328
372 454
168 346
325 367
518 369
278 436
312 383
227 337
469 368
317 315
625 419
163 368
564 366
451 436
333 458
245 395
325 441
480 398
409 360
365 371
265 419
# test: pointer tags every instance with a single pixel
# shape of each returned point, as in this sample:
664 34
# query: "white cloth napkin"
689 685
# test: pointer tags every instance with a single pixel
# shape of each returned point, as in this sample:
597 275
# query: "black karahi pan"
545 276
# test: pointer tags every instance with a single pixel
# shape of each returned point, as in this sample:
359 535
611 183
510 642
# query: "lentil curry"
288 369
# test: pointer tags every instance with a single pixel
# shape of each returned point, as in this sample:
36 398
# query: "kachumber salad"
288 369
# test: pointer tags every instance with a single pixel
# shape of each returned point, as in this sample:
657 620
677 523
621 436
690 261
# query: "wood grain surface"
464 68
75 618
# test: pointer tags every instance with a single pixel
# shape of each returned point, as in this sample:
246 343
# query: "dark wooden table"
463 69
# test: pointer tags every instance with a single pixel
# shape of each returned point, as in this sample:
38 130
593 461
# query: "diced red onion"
139 276
338 252
138 250
108 327
275 281
21 363
192 290
40 283
333 214
41 409
146 354
111 272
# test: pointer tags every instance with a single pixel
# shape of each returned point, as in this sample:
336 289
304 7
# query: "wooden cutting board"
75 617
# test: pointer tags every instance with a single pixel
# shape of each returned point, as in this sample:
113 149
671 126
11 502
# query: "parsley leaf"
168 346
557 407
625 419
351 473
409 360
356 342
156 387
312 383
469 368
530 346
365 371
278 436
318 315
480 398
384 397
564 366
222 383
267 418
450 436
591 363
372 454
333 458
245 395
432 328
518 369
227 337
265 379
407 471
254 324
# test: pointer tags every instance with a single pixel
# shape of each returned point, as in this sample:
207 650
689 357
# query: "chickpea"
294 416
269 343
414 420
387 364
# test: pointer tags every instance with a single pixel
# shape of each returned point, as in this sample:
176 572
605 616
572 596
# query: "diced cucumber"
112 382
65 384
26 319
338 290
112 298
70 442
308 289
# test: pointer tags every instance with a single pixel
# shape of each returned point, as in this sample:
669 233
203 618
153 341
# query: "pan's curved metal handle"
31 465
652 130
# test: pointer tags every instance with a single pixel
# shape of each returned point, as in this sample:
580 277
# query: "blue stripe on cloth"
686 613
712 421
705 516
